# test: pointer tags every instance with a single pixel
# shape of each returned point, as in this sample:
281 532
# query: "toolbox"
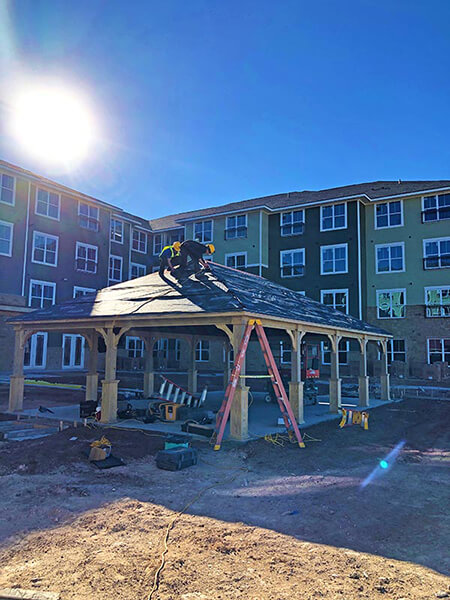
176 459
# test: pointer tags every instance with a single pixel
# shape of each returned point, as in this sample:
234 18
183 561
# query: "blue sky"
202 103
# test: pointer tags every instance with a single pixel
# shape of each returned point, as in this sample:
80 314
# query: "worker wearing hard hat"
195 251
169 257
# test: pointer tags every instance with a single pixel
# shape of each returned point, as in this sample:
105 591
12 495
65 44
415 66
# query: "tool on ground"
354 417
277 383
100 449
197 428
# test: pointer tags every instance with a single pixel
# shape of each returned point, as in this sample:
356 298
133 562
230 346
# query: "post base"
335 395
239 414
16 390
91 387
296 400
363 387
385 387
109 400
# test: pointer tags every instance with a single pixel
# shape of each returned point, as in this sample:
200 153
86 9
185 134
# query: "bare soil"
267 521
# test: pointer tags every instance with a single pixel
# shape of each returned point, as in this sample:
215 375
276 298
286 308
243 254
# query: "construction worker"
169 257
195 251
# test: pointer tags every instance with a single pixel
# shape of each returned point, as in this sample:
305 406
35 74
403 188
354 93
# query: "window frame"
235 228
291 224
84 290
390 245
290 251
202 222
388 202
334 292
13 203
156 235
36 199
97 220
441 306
424 210
235 255
33 248
85 245
120 259
285 348
439 256
391 291
324 351
442 340
73 337
322 228
11 239
334 247
140 232
134 338
135 264
391 352
32 342
112 231
42 283
199 350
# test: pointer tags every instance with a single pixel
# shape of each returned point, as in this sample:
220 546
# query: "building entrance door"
36 351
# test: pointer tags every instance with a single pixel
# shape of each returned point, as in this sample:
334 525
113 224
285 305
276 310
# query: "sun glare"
53 123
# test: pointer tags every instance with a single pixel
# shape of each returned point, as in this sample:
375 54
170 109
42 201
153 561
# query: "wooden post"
296 384
110 384
335 382
149 372
192 369
17 380
363 380
239 408
385 384
92 374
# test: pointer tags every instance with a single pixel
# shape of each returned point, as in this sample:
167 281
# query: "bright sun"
52 123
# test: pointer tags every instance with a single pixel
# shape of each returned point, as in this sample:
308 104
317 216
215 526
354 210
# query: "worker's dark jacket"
193 249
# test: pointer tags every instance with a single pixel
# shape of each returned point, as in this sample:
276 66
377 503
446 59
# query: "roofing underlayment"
222 290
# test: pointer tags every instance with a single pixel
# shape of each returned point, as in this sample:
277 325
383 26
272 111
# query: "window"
435 208
73 351
7 189
438 350
338 299
115 268
35 354
79 291
436 253
237 260
202 351
134 347
389 214
6 237
139 241
333 217
343 349
42 294
437 301
177 350
88 216
231 355
157 244
47 204
176 236
292 223
333 259
137 270
292 263
236 227
203 231
390 257
116 231
45 249
161 349
396 350
391 304
86 258
285 353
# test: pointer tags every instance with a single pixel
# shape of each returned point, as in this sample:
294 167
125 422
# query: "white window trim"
120 259
79 288
14 190
283 350
441 339
334 291
58 218
437 202
51 284
72 349
322 248
390 290
83 244
390 349
135 264
388 226
226 226
140 231
134 338
282 252
111 231
153 244
236 254
39 262
402 244
333 228
434 288
200 344
44 350
80 202
11 227
322 352
424 242
286 212
212 230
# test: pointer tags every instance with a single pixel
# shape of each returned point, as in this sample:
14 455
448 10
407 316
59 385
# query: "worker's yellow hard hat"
177 246
211 248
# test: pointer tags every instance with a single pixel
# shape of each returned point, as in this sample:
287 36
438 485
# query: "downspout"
25 252
359 260
260 243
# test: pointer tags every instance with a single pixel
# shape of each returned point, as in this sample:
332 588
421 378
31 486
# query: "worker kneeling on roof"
195 251
169 257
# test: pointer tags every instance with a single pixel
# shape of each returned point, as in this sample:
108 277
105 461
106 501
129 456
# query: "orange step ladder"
278 387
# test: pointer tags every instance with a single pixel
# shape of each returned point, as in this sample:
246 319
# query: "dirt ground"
268 522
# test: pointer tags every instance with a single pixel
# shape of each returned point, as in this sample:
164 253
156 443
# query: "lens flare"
384 465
